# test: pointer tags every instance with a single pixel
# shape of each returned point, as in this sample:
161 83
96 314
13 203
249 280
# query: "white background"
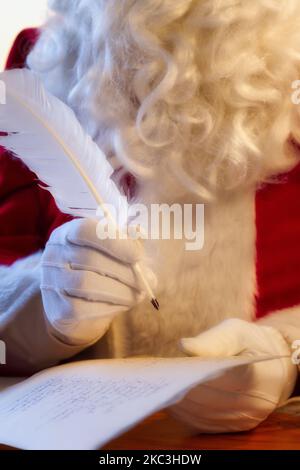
15 16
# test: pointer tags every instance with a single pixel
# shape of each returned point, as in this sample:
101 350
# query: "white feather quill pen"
46 135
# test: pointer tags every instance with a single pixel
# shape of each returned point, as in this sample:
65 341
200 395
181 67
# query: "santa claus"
192 102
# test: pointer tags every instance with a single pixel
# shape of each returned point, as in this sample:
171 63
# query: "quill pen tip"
155 304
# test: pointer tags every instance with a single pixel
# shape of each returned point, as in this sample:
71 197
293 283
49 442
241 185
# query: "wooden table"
160 431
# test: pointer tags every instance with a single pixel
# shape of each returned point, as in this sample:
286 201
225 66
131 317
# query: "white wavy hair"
194 88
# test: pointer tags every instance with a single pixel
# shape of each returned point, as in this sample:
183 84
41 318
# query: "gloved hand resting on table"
87 281
243 397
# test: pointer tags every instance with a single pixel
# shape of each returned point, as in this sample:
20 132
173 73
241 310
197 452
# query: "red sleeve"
28 213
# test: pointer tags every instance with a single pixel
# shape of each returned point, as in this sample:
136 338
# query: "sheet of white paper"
83 405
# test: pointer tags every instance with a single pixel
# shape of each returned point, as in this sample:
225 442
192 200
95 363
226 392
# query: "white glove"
87 281
243 397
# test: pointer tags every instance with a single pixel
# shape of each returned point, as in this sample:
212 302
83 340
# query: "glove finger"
74 309
224 340
78 319
207 421
83 232
233 337
90 286
89 259
229 409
